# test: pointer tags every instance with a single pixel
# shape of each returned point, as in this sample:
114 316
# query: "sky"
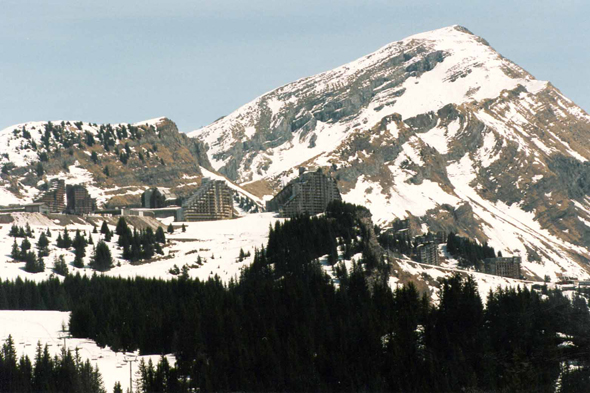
194 61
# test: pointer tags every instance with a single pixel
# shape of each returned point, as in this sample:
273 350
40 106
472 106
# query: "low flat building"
213 200
36 208
310 193
505 267
164 212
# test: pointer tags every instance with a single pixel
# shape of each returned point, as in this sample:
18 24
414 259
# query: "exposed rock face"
137 156
439 128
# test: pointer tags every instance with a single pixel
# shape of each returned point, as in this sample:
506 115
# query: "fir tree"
43 245
104 229
160 236
101 259
170 228
60 266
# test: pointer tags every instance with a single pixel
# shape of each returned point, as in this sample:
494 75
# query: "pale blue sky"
194 61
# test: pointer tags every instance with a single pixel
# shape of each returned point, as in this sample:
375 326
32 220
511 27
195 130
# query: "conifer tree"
160 236
170 228
104 229
102 259
15 254
121 226
43 245
67 241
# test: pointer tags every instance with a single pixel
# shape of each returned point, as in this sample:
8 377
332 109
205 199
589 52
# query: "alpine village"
350 231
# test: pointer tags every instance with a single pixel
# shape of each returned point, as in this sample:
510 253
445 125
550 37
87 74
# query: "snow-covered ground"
217 243
31 327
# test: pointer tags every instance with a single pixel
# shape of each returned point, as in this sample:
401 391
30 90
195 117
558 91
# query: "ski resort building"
428 253
55 197
505 267
155 198
79 200
310 193
213 200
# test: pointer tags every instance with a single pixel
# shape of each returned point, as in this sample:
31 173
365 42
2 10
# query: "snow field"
218 243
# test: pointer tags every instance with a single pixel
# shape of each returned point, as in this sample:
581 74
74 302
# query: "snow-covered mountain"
116 162
438 128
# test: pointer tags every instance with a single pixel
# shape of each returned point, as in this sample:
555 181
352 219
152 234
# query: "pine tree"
60 266
170 228
183 228
102 259
67 241
121 226
104 229
15 254
59 242
43 245
160 236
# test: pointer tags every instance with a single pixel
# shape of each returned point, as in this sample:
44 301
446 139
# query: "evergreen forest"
286 326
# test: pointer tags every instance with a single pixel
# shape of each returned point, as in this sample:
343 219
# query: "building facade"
79 200
213 200
310 193
428 253
155 198
55 197
505 267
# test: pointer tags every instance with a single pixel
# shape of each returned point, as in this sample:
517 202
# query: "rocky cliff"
438 128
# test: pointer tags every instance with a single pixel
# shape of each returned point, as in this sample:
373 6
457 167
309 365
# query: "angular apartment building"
310 193
79 200
55 197
213 200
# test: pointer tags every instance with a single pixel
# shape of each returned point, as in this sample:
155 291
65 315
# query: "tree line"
284 326
64 373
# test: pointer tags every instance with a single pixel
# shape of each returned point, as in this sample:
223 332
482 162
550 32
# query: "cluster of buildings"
59 198
213 200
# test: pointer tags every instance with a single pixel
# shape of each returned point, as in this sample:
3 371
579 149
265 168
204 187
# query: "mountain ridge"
438 128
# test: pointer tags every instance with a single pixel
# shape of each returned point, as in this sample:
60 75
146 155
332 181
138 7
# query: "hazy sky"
194 61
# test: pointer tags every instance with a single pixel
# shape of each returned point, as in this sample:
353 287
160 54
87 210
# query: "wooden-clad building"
310 193
213 200
55 197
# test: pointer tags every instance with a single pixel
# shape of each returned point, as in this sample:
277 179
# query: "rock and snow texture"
437 127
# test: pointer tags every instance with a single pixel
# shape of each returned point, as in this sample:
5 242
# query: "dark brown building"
79 200
213 200
55 197
505 267
310 193
428 253
155 198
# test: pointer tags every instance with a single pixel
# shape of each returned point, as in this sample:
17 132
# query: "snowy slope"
439 128
217 243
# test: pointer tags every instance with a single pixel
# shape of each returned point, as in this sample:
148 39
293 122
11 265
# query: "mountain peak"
438 128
